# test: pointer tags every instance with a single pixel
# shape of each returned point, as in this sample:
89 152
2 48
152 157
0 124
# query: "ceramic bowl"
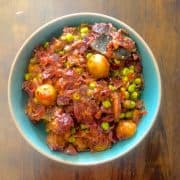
36 136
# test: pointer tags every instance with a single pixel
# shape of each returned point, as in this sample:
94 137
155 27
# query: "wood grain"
157 157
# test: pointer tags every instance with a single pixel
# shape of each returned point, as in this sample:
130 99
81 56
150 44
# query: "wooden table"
157 157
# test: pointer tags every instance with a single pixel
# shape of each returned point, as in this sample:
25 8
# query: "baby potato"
125 129
98 66
46 94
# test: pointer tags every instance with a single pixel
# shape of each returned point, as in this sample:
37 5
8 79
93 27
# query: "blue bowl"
36 136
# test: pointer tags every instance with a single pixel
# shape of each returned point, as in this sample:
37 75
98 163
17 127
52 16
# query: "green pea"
46 44
125 78
134 95
129 104
131 88
72 139
92 85
105 126
131 71
27 76
132 105
122 115
89 55
129 114
111 87
126 94
125 71
61 52
69 37
137 81
84 30
106 104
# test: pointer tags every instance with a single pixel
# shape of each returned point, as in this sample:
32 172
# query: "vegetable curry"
85 85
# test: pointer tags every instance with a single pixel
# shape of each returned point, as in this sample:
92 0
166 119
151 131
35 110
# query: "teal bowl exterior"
36 136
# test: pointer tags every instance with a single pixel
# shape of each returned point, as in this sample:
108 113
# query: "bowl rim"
69 16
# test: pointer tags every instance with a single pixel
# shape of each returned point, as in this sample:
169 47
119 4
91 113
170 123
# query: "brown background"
158 156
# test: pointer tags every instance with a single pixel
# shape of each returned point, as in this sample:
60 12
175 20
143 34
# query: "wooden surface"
158 156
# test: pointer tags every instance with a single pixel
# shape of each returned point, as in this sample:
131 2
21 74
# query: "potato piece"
125 129
46 94
98 66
